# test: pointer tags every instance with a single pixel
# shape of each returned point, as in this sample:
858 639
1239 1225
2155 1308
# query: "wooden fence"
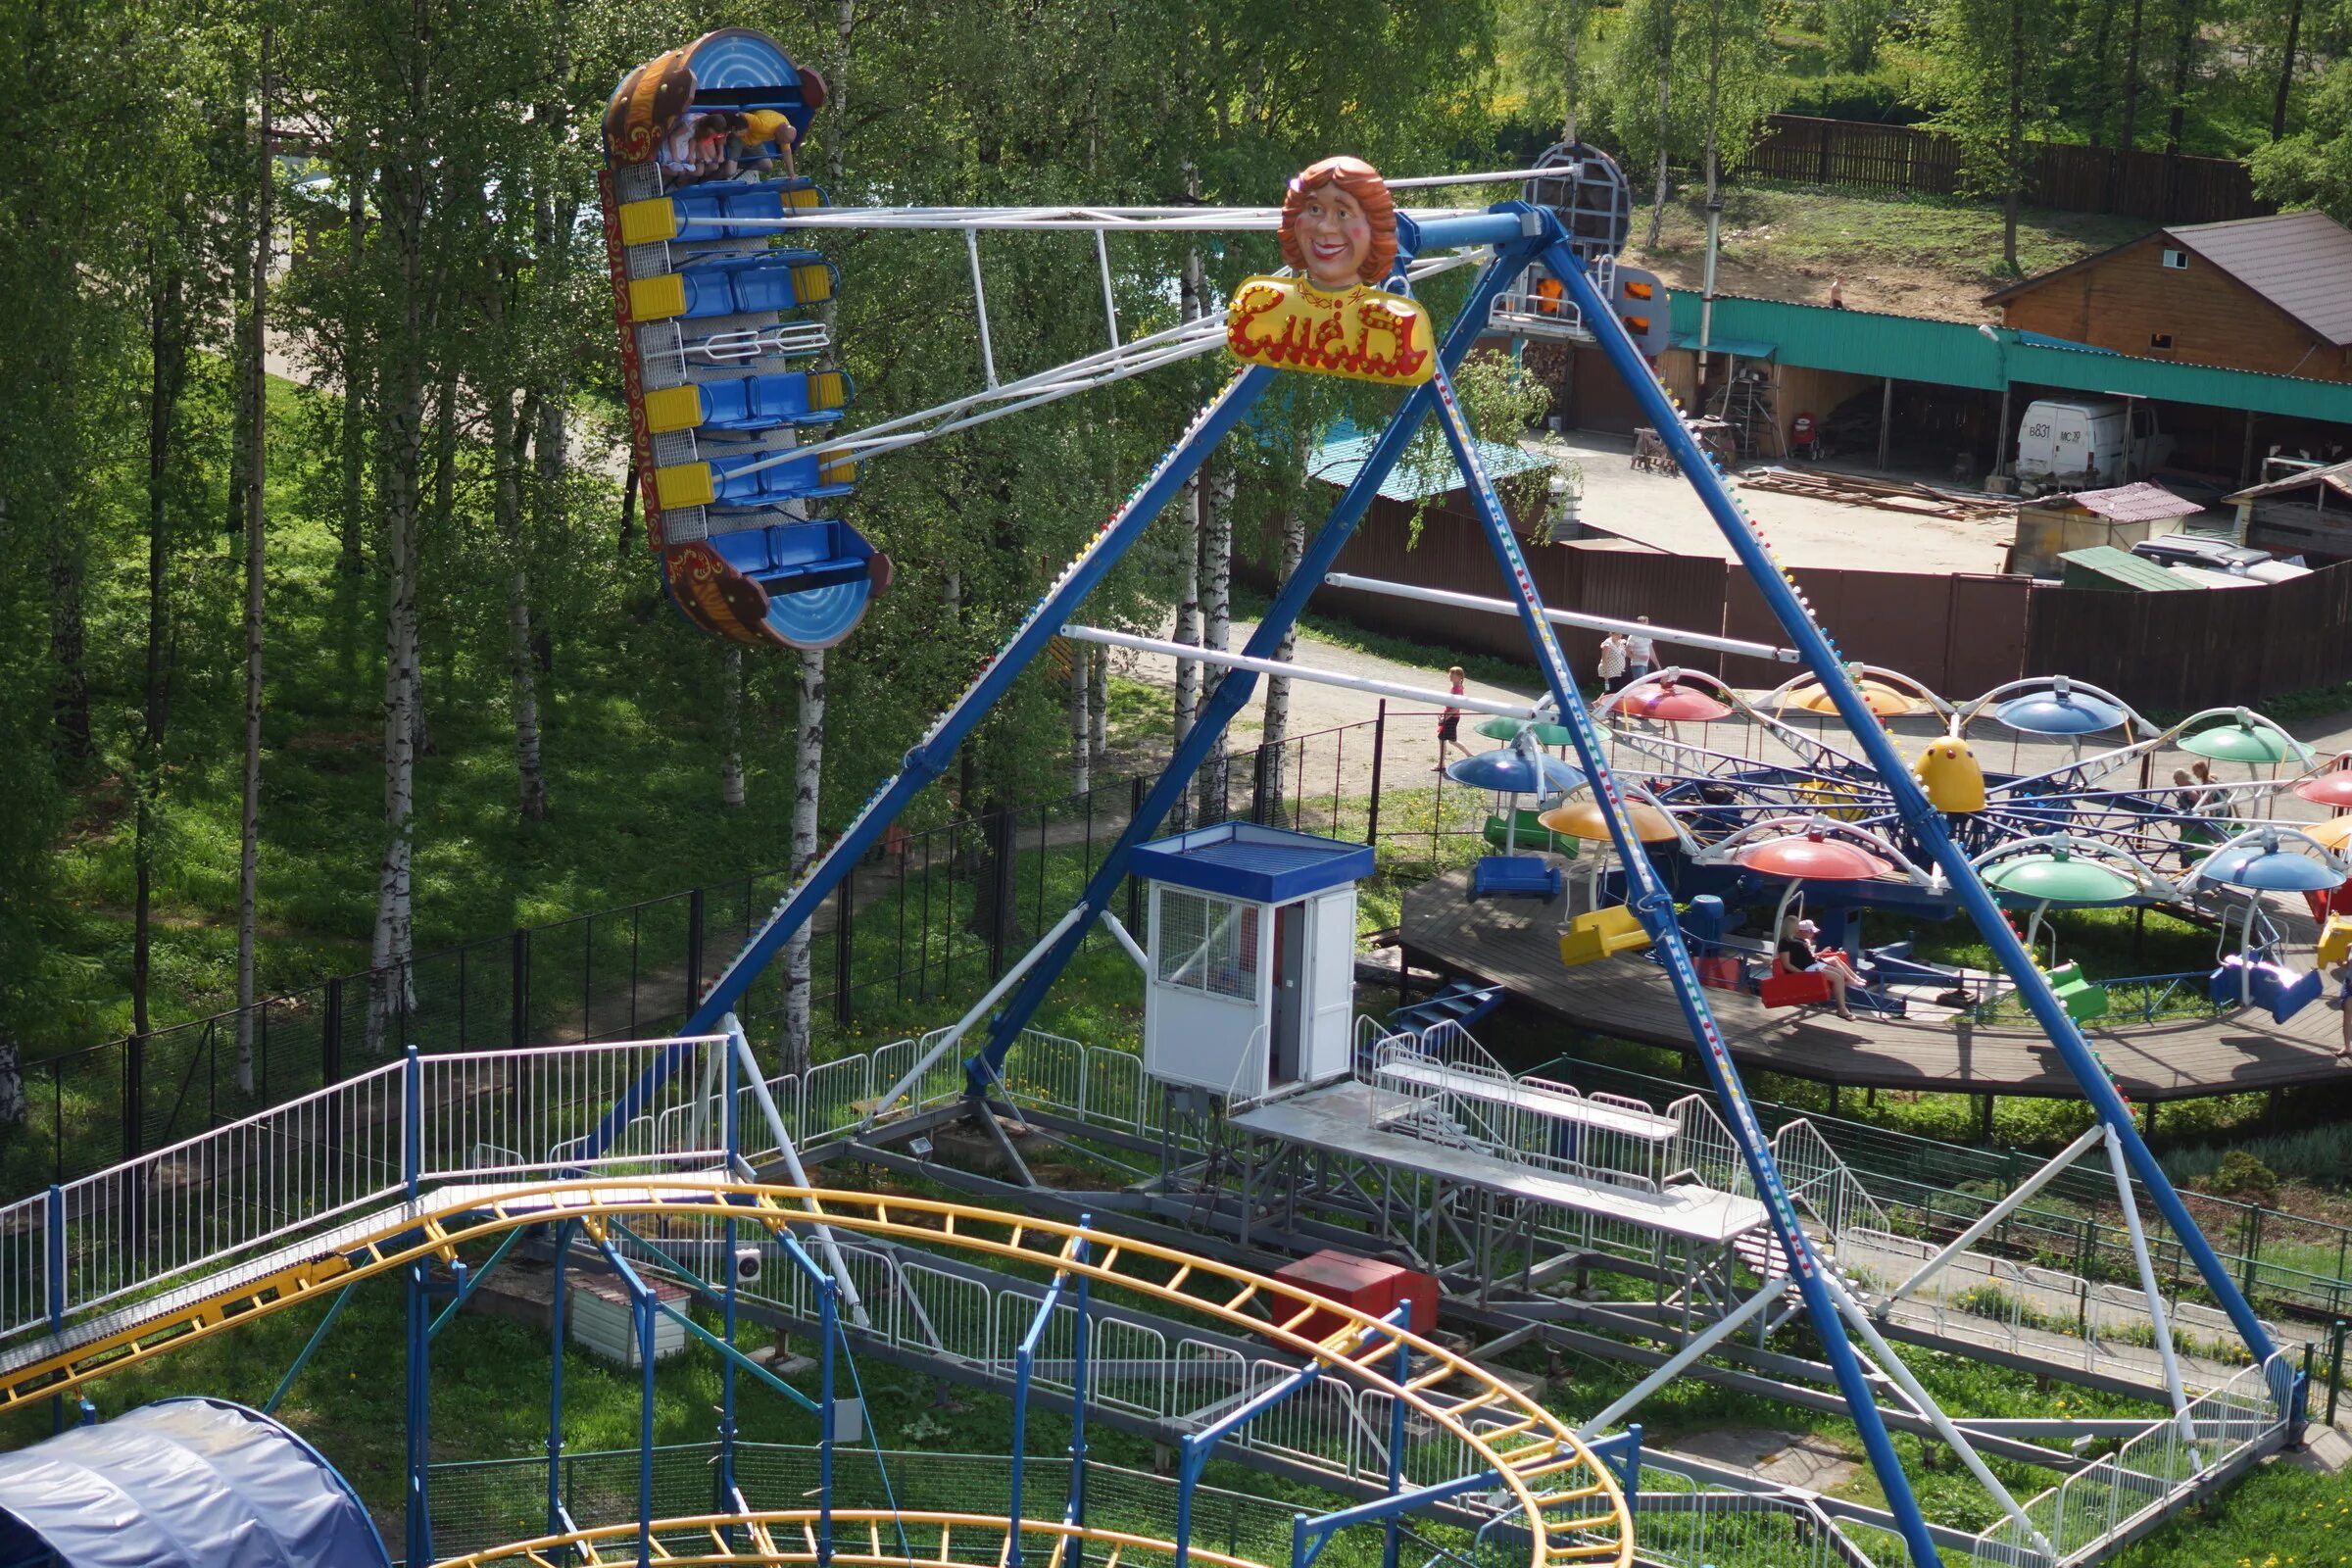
1960 634
1908 159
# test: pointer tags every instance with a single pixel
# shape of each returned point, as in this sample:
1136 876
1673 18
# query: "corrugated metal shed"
2336 477
2105 567
2129 502
2300 262
1339 461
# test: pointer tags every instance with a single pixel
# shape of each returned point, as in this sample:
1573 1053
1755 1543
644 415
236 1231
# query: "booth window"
1208 943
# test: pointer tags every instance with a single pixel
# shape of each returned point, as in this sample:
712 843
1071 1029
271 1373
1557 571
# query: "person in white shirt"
1641 653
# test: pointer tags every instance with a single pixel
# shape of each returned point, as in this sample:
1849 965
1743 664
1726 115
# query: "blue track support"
1925 822
642 1320
412 1122
730 1132
554 1385
53 1262
1024 1365
929 757
1075 1514
1654 907
1309 1536
471 1282
310 1347
829 1325
1234 687
420 1514
1396 1435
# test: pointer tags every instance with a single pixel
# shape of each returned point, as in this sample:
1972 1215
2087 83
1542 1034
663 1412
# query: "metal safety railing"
224 1199
2097 1506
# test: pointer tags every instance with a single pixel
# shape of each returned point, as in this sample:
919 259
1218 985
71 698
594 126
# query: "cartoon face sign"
1336 236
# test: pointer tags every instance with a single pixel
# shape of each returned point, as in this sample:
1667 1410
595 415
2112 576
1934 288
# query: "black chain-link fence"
477 1506
932 917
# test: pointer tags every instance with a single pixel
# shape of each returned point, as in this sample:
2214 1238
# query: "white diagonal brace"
1674 1365
2098 1132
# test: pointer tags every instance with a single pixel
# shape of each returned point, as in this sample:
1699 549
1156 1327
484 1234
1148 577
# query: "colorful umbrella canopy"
1670 704
2239 743
2264 867
1499 728
1582 819
1812 858
2058 714
1508 771
2328 789
2335 833
2059 878
1883 700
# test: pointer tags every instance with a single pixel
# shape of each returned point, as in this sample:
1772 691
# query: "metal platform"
1341 1121
1517 945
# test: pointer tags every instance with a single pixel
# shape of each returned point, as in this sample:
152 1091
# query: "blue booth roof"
1254 863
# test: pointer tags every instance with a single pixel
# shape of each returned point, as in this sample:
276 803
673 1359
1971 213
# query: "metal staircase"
1748 404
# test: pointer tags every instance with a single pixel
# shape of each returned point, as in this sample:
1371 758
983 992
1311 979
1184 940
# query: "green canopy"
2239 743
2058 878
1499 728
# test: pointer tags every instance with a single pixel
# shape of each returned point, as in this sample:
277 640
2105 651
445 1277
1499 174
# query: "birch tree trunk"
1082 661
808 769
730 719
402 388
1098 711
256 499
1191 301
1657 200
351 364
1216 615
1278 687
509 439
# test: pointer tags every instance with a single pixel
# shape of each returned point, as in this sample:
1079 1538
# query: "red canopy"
1813 858
1669 703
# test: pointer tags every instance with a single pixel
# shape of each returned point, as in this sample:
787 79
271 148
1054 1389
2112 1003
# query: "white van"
2064 444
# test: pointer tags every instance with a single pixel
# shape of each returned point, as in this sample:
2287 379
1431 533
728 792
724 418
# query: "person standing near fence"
1612 662
1641 653
1449 722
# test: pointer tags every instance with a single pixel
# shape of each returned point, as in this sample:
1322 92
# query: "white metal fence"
217 1203
2093 1508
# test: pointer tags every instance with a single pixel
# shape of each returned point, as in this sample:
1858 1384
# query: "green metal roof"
1911 348
2128 569
1743 348
1339 461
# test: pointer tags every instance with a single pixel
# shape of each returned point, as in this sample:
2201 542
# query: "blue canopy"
2058 714
2266 869
181 1484
1509 770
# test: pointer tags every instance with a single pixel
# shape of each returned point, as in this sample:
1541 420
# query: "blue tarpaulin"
181 1484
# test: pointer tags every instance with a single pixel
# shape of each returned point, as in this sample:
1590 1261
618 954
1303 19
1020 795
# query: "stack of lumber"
1894 495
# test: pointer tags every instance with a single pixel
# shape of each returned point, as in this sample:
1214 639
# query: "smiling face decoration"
1327 315
1339 226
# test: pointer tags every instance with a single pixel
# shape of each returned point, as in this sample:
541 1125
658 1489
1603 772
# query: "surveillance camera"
747 1260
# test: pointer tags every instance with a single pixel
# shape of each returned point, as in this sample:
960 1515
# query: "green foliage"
2240 1175
1853 30
2312 167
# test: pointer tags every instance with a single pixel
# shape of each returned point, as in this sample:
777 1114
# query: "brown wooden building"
2271 294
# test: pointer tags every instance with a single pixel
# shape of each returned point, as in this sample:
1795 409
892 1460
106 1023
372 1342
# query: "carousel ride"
1262 1124
2222 818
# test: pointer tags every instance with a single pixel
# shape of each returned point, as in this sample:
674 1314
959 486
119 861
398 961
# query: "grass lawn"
1911 255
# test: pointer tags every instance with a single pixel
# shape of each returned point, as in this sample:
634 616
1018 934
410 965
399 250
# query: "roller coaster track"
1575 1510
789 1535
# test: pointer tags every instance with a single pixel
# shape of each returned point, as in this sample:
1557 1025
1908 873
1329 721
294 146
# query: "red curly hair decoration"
1360 180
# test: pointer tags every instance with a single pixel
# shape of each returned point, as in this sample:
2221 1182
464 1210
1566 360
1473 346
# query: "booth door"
1289 993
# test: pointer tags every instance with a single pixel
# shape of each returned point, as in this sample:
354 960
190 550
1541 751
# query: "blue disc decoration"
2059 714
1509 771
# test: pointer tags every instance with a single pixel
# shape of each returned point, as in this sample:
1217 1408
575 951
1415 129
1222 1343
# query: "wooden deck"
1515 943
